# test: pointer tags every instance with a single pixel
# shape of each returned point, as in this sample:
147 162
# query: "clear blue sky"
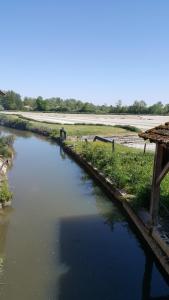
94 50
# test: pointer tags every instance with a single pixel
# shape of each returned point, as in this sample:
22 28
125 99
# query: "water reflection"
62 153
90 254
101 265
66 240
147 281
4 224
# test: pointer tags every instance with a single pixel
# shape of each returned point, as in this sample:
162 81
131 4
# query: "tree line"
13 101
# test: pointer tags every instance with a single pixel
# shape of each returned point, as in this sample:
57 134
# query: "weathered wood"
113 148
162 174
63 134
145 145
102 139
155 193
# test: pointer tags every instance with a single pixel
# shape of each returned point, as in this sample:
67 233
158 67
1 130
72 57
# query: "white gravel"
140 121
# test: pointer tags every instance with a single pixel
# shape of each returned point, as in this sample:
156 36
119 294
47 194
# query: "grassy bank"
6 153
128 168
51 129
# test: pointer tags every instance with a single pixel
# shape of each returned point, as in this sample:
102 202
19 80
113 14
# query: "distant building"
2 93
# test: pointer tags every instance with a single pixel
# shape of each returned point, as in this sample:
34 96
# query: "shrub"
5 194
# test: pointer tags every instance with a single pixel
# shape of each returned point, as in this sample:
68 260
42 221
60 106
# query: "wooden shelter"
2 93
160 136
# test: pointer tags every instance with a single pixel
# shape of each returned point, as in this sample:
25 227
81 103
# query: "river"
63 239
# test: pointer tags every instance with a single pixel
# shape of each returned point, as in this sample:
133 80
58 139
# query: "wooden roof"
159 134
2 93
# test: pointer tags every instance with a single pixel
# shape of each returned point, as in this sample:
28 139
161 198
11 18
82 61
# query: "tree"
40 104
12 101
138 107
156 108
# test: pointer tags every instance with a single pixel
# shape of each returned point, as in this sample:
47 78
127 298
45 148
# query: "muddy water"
63 239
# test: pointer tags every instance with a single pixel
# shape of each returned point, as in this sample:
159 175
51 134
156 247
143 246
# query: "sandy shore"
142 122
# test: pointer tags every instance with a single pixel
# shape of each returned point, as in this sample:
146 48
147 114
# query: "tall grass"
128 168
129 128
6 151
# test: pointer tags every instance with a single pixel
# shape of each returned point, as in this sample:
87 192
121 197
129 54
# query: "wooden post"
155 193
63 135
112 145
145 148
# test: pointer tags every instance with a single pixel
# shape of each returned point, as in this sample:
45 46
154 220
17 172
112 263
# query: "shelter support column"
155 192
161 168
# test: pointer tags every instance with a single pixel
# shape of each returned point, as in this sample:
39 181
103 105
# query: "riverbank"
70 223
73 130
140 218
6 156
122 134
118 169
118 166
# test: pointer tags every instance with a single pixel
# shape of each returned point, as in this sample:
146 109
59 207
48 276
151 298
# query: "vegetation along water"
63 239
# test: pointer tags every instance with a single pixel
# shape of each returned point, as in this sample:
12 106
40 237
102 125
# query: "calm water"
63 239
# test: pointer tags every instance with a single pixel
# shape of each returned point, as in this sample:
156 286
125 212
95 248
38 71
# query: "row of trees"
13 101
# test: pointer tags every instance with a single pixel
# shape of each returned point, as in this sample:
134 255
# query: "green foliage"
6 151
54 133
5 194
128 168
40 104
11 101
128 127
6 143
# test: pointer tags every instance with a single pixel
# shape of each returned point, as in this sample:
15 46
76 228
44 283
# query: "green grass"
128 168
129 127
6 151
5 194
6 143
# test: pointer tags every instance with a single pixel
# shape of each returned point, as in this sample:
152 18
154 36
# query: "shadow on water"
104 259
4 224
78 246
25 134
102 264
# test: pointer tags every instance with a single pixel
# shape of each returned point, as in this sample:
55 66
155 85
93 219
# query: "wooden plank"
155 193
102 139
162 174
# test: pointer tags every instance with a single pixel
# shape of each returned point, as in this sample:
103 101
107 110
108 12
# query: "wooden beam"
162 174
155 193
102 139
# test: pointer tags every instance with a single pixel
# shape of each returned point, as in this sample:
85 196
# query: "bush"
128 127
128 168
5 194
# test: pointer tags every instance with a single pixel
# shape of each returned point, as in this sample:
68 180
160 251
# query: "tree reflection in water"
4 224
